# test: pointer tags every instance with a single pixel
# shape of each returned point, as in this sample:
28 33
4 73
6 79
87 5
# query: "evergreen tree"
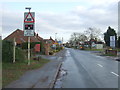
119 42
110 32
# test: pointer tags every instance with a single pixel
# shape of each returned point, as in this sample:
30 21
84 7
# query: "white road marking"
115 74
100 65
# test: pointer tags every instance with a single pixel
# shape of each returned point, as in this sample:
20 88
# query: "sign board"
29 17
54 45
59 42
112 41
37 48
29 26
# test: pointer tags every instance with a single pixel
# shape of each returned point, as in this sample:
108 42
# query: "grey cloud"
100 16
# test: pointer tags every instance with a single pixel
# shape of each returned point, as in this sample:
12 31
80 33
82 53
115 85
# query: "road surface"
86 70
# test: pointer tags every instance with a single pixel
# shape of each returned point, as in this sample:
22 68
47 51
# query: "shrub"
51 53
58 48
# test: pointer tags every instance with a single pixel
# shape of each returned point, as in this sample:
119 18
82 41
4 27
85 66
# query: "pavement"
43 77
87 70
99 53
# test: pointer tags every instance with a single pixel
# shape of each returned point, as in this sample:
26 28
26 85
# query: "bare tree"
82 37
93 33
77 38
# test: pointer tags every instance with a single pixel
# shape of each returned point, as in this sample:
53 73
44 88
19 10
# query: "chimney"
50 37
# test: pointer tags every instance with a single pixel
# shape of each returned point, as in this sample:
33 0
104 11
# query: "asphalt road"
86 70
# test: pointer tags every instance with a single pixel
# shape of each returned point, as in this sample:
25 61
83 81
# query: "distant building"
49 41
95 44
20 38
99 45
48 45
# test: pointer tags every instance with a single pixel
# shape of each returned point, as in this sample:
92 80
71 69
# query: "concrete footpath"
43 77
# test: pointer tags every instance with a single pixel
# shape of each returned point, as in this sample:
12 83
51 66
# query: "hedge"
32 44
7 52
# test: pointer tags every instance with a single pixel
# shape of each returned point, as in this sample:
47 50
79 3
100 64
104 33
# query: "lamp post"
55 37
29 8
55 41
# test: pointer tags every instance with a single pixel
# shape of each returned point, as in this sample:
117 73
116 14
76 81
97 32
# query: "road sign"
28 32
29 20
29 17
112 41
29 26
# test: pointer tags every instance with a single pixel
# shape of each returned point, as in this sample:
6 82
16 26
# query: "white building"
99 46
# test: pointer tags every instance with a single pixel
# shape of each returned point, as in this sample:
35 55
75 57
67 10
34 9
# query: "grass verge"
93 49
118 49
109 55
11 72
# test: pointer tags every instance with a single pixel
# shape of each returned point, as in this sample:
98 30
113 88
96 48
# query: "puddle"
61 75
67 53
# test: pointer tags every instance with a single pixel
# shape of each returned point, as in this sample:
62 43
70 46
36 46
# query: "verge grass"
13 71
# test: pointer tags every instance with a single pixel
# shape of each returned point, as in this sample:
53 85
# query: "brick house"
20 38
48 44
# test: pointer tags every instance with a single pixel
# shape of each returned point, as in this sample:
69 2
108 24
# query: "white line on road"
100 65
114 73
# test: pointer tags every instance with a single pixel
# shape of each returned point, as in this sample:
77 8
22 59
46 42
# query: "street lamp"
55 41
55 37
29 8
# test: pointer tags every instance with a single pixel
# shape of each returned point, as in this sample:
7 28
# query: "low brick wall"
111 52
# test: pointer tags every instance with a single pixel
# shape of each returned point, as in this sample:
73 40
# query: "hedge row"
32 44
7 52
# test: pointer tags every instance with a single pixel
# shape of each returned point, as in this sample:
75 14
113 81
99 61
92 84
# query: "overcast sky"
62 16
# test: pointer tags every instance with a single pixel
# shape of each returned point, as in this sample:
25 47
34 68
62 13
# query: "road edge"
55 76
